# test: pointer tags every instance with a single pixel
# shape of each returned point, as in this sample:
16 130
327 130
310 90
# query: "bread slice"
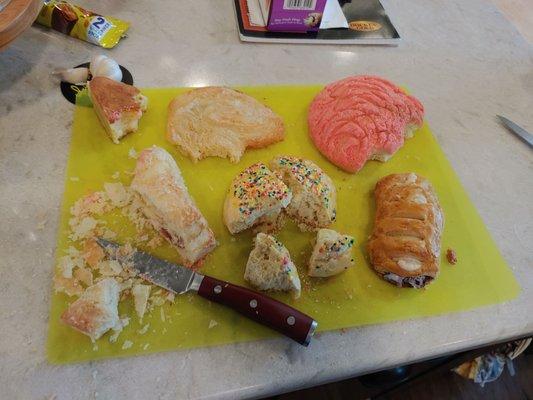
255 199
221 122
117 105
404 248
169 207
269 266
332 253
95 311
314 197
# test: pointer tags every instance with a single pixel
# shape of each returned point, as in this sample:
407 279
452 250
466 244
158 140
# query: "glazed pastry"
119 107
362 118
169 207
314 197
95 311
332 253
221 122
269 266
255 199
404 248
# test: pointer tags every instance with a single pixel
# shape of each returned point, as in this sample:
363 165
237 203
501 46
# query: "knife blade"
178 279
517 130
174 278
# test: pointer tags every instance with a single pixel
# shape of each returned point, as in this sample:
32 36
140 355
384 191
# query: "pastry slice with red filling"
169 207
119 106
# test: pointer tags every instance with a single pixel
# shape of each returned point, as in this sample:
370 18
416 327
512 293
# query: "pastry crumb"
41 225
74 179
132 153
117 193
156 241
212 324
109 267
144 329
451 256
127 344
140 299
82 229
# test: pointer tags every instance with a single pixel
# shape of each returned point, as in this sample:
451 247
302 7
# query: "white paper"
333 17
254 13
265 9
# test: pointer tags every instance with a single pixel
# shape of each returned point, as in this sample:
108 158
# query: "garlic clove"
102 65
77 76
95 62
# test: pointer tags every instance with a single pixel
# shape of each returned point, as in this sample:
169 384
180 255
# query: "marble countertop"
463 60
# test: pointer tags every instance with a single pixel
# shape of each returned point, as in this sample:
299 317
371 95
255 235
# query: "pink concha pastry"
362 118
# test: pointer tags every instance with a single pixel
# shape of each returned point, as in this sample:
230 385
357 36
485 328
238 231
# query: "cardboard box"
295 15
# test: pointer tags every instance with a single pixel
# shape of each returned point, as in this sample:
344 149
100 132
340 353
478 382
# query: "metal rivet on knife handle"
260 308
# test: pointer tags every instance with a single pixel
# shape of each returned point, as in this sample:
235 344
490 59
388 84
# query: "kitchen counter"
463 60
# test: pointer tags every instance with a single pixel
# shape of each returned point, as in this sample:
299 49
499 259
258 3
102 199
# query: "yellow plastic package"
80 23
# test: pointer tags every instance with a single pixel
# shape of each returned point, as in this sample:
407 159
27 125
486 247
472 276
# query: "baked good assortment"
332 253
314 197
351 121
119 107
404 248
270 267
255 198
169 207
362 118
221 122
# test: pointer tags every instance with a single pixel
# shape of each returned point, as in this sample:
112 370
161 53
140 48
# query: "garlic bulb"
77 76
102 65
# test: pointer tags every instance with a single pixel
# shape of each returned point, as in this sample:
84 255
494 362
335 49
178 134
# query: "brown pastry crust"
405 242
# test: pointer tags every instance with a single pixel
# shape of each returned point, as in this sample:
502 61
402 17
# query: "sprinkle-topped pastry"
314 196
270 267
332 253
255 196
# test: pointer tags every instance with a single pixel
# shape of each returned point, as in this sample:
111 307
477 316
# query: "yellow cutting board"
354 298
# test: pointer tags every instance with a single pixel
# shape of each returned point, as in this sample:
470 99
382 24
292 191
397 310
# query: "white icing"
411 178
419 199
409 264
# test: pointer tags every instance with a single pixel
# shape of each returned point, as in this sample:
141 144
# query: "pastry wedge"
332 254
169 207
95 311
314 197
255 199
404 248
269 266
119 107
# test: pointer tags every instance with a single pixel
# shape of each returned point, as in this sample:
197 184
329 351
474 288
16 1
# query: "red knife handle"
260 308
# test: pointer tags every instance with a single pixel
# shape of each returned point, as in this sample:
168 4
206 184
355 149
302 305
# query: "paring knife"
256 306
517 130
